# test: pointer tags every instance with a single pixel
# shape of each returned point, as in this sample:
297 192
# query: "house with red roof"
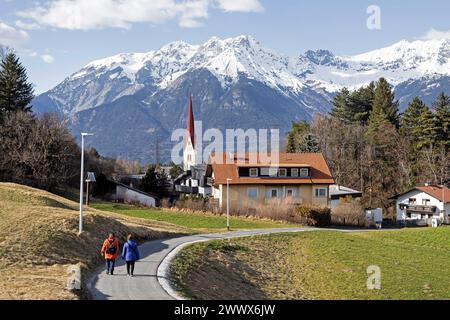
423 203
252 181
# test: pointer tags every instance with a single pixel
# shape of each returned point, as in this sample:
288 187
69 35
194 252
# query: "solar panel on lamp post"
80 230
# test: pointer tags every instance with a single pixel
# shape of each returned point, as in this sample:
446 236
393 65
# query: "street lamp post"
228 204
80 229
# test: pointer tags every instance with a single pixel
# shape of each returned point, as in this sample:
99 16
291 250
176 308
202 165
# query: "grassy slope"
319 265
196 222
38 240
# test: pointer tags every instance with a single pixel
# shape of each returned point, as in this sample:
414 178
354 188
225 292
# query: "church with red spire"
189 152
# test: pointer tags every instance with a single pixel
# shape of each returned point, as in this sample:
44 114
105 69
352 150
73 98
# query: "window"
426 202
265 171
282 172
289 193
274 193
412 200
294 172
253 172
273 172
321 193
252 193
304 173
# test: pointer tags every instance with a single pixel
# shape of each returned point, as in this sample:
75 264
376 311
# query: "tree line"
40 151
36 151
370 146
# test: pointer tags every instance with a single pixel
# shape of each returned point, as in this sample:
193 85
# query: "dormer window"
304 173
273 172
282 172
254 172
294 172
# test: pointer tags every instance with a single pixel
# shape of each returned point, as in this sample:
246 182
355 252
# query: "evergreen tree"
341 103
384 102
155 181
377 121
175 170
300 139
441 109
410 121
16 92
361 102
356 106
426 132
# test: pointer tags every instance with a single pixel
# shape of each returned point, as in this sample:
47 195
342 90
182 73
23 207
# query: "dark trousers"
110 265
130 267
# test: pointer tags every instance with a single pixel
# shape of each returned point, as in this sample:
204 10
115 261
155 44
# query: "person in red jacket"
110 251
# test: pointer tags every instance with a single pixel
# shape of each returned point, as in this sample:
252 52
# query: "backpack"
111 249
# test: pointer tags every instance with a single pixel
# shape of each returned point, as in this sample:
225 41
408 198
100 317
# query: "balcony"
420 209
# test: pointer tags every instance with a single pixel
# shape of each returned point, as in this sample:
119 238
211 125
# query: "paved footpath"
150 281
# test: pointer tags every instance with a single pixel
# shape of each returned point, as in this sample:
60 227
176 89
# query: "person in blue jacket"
130 254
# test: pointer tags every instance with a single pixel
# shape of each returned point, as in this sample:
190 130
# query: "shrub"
197 203
349 213
39 152
165 203
314 216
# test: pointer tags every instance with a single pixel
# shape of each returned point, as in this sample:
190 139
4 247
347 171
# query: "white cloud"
12 37
98 14
241 5
47 58
29 53
434 34
27 26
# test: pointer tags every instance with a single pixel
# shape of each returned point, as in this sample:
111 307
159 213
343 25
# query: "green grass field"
414 264
197 222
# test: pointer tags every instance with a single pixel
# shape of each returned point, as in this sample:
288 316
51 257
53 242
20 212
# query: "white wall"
189 151
127 195
204 191
334 203
419 196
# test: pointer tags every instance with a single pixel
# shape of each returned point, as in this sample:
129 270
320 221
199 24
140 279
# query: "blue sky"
54 41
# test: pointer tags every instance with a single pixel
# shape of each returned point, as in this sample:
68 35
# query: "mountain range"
133 101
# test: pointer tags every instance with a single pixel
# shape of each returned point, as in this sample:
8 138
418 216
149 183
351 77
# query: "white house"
423 203
127 194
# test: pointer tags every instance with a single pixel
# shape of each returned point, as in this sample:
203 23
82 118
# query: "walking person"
130 254
110 251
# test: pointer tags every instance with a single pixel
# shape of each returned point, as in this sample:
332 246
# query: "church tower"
189 154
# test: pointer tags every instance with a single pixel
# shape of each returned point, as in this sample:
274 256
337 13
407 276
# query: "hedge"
314 216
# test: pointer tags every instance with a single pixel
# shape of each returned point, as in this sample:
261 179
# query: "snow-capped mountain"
234 77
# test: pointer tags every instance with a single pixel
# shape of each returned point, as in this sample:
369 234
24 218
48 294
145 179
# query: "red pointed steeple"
190 123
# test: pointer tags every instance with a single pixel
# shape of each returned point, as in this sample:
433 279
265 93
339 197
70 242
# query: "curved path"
150 282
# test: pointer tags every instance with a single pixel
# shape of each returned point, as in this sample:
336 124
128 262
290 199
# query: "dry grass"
238 269
349 213
38 241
